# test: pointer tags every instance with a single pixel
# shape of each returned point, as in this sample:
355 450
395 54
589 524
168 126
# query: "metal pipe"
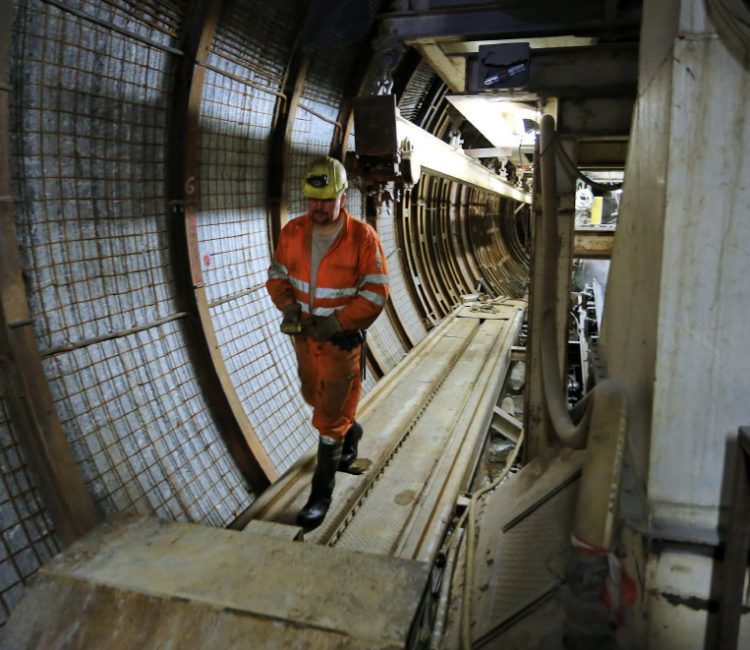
602 426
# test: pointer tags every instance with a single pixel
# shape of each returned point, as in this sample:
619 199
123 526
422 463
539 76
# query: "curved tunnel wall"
91 108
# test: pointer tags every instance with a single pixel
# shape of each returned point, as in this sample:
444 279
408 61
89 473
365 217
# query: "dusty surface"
141 583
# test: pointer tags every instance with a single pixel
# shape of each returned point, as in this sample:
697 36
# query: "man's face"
325 211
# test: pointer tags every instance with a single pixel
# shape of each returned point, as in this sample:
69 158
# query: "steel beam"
602 153
440 159
490 152
452 74
593 244
585 71
508 20
597 116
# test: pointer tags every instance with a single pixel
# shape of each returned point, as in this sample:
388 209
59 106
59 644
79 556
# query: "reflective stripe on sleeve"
335 293
278 271
299 285
373 297
373 279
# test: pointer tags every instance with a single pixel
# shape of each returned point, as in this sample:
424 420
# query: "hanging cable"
574 171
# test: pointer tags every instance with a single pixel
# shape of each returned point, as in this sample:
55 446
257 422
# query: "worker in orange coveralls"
329 279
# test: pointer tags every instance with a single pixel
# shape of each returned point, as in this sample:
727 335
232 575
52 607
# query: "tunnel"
554 394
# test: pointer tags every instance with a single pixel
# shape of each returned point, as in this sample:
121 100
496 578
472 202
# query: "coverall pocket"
342 368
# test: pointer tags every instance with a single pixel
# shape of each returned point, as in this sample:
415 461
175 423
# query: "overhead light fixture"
504 122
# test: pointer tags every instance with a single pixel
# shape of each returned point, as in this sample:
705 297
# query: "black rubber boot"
351 444
329 455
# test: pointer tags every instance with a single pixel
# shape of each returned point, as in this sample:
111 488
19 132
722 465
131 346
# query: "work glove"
347 340
290 323
321 328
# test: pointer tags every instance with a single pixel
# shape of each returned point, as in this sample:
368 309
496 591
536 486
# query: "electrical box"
499 67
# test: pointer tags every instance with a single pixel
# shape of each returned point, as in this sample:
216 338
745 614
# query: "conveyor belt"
424 427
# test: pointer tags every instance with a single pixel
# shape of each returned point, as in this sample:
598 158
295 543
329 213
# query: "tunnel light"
499 120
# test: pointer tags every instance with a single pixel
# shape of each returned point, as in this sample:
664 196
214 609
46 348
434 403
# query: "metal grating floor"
523 543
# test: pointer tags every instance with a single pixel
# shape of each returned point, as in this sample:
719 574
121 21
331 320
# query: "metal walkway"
424 427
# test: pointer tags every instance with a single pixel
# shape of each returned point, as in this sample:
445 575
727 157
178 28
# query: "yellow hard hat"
325 178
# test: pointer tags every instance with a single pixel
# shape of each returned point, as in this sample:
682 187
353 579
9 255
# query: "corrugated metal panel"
89 124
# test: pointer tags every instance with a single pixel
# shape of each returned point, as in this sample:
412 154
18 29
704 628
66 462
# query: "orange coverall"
352 283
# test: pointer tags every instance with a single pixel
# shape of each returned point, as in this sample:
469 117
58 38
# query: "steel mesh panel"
140 429
252 44
156 20
399 294
232 226
262 365
88 142
527 561
89 126
383 338
26 530
368 384
311 135
255 40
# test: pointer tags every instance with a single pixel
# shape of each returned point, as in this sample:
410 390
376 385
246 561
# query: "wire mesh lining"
158 21
233 228
255 41
382 339
235 125
88 143
26 530
263 368
312 136
141 431
400 297
89 124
